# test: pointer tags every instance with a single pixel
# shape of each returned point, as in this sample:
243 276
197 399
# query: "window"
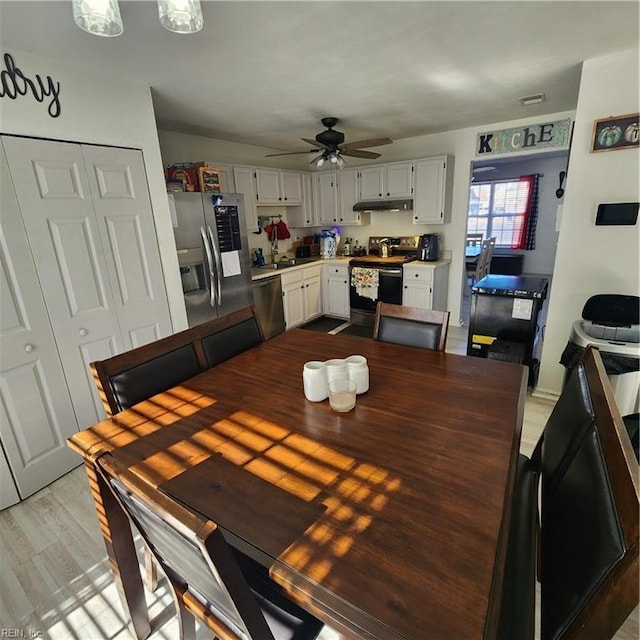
500 209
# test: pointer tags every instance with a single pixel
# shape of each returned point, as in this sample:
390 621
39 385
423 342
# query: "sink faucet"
274 250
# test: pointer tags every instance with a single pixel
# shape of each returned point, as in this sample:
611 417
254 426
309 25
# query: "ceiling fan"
331 146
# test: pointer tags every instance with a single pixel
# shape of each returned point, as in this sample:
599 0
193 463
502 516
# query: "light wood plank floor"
55 581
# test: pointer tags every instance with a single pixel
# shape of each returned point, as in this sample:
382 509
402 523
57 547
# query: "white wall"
99 109
590 259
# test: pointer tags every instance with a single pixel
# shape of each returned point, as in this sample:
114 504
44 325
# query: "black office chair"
227 591
588 551
410 326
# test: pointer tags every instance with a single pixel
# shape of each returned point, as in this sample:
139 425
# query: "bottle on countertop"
357 251
347 247
261 260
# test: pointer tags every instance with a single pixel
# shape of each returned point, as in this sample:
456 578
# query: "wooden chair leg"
118 540
150 571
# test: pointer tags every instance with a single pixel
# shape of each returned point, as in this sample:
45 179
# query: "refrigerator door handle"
218 264
207 249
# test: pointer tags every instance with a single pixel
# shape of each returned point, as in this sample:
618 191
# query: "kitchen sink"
287 264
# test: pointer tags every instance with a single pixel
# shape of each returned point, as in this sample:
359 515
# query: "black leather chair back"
231 341
154 376
410 333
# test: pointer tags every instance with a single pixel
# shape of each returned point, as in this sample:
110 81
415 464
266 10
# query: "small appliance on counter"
428 247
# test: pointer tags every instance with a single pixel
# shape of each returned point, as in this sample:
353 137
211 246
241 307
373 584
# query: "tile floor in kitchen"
55 581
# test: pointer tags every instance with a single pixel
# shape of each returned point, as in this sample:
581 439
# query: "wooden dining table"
389 521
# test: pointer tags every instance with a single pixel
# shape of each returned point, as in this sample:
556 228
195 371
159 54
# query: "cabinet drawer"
423 274
291 277
311 272
337 270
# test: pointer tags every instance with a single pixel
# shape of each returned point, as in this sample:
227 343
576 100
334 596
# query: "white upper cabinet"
326 192
336 193
304 215
278 187
393 180
245 184
348 196
433 179
227 183
291 187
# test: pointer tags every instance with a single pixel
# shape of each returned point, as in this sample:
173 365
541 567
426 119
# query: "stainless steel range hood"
384 205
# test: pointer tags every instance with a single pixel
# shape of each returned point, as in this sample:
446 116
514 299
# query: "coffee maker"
428 247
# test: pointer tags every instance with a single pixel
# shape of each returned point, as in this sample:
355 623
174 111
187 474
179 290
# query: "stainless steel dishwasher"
267 299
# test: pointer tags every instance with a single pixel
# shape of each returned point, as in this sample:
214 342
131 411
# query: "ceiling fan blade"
291 153
359 154
315 143
363 144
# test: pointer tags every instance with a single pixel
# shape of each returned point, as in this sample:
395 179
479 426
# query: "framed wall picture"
619 132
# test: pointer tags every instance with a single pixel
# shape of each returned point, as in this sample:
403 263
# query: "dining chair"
424 328
228 592
484 261
230 335
474 239
136 375
587 553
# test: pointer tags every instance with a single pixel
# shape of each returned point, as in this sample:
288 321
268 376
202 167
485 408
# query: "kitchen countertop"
427 265
260 273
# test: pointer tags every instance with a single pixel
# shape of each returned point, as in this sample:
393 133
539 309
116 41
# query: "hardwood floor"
55 581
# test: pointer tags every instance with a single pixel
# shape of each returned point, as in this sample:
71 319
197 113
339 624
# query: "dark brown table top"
388 521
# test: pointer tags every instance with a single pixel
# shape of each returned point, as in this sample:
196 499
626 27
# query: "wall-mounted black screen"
617 213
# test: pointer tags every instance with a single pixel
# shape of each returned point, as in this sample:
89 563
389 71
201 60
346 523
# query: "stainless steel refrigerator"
213 253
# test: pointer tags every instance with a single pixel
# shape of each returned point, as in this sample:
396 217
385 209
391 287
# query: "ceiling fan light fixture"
181 16
99 17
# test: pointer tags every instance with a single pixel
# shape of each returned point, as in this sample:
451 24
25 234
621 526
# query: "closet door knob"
29 348
84 332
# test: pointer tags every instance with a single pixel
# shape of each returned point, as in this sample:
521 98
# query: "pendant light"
181 16
100 17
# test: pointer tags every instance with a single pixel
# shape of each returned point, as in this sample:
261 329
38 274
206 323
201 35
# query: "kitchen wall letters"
14 83
529 138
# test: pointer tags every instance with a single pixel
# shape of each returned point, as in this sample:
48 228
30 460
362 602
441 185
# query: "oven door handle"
397 273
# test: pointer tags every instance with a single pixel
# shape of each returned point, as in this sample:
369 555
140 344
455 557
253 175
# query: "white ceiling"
265 72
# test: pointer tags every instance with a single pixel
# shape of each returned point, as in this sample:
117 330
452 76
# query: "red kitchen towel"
282 231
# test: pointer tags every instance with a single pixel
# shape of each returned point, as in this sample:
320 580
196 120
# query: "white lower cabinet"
425 286
79 261
301 295
335 290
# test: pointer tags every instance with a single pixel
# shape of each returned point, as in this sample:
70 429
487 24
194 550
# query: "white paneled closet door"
58 212
125 220
36 413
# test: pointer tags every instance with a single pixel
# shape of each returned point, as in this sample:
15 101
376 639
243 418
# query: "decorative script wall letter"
14 83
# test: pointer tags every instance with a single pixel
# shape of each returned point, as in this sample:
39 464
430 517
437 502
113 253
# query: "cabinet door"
293 304
291 187
125 221
36 414
245 183
416 295
336 284
268 186
326 198
399 180
312 294
348 196
372 183
303 215
429 185
227 183
55 199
